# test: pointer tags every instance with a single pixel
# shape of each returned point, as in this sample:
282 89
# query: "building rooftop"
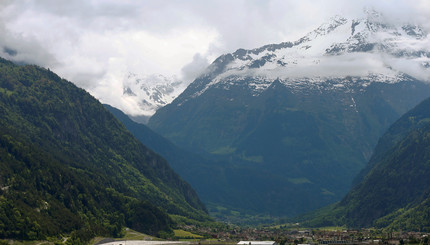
256 243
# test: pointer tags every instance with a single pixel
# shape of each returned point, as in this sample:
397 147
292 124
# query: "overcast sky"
93 43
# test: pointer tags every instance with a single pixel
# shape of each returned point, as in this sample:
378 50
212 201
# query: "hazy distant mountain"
298 120
188 165
150 92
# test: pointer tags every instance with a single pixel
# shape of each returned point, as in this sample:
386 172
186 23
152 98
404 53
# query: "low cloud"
195 68
24 50
92 43
350 64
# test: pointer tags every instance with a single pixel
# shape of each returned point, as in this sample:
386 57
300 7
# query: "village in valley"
281 235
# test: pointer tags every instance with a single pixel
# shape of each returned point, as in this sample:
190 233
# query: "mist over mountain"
297 121
369 48
148 93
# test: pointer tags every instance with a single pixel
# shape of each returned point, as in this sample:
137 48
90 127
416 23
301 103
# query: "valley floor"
140 242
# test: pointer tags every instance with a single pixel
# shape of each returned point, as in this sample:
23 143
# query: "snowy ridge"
349 84
151 92
367 49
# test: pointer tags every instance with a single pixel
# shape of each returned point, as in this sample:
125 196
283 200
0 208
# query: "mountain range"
291 124
278 130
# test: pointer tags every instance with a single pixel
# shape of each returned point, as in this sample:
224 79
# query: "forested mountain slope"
68 165
394 190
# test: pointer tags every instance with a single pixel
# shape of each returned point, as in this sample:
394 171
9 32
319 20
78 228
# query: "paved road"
140 242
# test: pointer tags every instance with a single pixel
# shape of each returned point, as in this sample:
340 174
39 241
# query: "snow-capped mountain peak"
369 47
150 92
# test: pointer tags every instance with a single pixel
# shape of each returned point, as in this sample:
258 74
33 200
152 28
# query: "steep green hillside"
190 166
209 178
394 190
399 172
68 165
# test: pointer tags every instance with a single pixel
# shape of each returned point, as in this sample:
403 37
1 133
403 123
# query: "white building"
256 243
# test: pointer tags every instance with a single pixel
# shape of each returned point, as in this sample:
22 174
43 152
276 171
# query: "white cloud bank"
93 43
